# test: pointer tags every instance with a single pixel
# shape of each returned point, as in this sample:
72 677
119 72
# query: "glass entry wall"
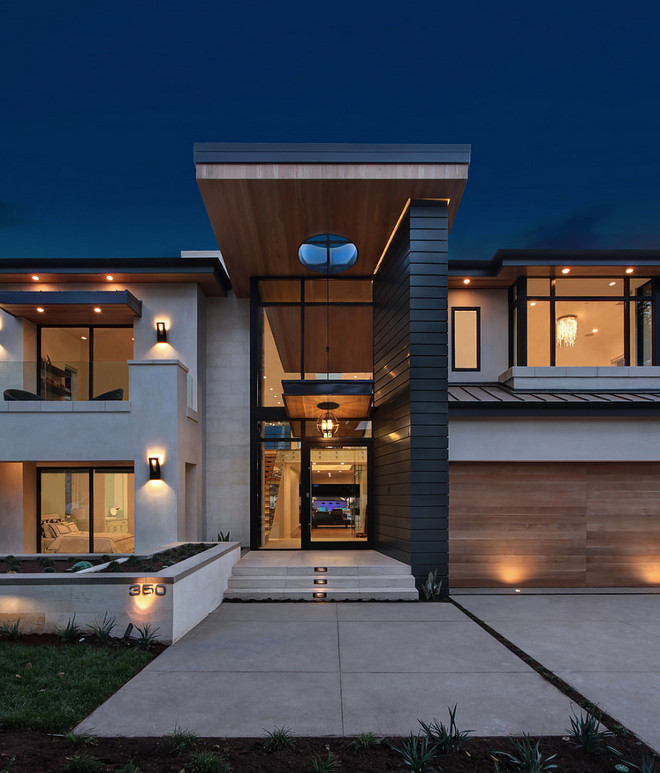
86 510
338 494
280 502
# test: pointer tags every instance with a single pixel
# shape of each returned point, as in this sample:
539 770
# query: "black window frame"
453 338
81 469
518 310
91 328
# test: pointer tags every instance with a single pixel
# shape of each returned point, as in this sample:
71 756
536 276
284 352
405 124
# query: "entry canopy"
352 398
265 200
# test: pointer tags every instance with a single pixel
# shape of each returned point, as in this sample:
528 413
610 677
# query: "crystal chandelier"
566 330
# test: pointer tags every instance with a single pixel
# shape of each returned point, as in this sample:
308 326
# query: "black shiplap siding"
411 467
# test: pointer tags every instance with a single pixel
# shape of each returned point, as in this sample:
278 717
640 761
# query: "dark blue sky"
101 103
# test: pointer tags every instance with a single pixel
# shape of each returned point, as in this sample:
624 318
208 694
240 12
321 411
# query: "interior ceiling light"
629 270
566 271
532 303
97 309
612 284
35 277
109 278
595 330
40 309
466 281
566 331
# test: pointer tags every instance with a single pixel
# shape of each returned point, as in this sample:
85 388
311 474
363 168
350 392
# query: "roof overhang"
508 265
72 308
207 272
264 200
352 398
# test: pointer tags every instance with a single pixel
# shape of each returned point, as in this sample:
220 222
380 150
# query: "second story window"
582 322
465 338
83 363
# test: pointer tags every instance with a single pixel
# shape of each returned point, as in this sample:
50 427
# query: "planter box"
173 600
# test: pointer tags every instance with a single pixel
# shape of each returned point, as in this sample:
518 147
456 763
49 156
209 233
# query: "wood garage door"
554 524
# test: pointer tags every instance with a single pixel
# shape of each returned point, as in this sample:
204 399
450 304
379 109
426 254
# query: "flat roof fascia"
327 153
84 266
72 298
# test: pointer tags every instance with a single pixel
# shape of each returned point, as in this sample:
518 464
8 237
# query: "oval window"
327 254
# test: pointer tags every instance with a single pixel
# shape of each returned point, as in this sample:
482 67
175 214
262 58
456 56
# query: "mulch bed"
40 752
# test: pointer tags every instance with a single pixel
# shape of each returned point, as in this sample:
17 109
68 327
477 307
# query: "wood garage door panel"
554 525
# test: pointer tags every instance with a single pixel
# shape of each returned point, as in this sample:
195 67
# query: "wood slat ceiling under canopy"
261 212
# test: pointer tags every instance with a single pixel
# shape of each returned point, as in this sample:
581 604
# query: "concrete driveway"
605 645
333 669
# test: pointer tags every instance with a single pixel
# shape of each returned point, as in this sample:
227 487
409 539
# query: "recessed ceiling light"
109 278
97 309
83 338
40 309
466 281
271 388
612 284
35 277
565 270
629 270
595 330
532 303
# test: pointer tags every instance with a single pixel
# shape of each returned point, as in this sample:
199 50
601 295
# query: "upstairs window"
465 338
582 322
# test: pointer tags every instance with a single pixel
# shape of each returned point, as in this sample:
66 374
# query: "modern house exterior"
331 378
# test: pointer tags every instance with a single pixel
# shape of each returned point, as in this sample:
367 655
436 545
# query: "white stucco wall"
227 399
554 440
494 306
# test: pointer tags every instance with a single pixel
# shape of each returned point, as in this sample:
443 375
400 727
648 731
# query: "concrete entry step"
321 574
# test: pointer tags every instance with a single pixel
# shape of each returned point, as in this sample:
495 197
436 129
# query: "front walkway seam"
582 701
341 676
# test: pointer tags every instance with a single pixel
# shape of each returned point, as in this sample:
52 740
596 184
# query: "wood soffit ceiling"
261 213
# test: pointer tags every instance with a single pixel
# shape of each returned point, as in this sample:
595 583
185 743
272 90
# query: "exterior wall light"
154 468
161 333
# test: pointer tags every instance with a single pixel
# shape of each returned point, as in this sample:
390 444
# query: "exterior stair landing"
318 575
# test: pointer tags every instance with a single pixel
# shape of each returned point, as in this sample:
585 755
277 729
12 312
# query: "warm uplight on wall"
40 309
161 333
154 468
566 271
629 270
466 281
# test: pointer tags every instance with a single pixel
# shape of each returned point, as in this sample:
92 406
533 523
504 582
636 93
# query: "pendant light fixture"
566 330
327 423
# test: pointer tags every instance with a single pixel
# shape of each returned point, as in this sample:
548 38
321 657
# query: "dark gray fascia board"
521 257
322 387
327 153
116 265
73 297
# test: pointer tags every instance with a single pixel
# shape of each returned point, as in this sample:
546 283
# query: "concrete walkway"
333 669
607 646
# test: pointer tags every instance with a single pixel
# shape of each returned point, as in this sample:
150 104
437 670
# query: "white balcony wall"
494 305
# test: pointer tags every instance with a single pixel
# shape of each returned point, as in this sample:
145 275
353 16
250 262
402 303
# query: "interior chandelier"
566 332
327 423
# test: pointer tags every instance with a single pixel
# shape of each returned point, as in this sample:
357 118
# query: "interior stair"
321 575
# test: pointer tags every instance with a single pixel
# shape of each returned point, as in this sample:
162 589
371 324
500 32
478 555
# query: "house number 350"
147 589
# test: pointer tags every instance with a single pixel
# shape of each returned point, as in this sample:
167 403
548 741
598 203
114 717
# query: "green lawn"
51 688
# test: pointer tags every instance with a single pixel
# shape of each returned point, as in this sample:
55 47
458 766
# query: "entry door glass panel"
338 489
280 501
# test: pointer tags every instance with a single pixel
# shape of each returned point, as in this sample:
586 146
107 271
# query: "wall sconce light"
154 468
161 333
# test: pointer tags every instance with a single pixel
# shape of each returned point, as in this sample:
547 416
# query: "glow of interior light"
612 284
97 309
565 270
629 270
109 278
532 303
40 309
466 281
35 277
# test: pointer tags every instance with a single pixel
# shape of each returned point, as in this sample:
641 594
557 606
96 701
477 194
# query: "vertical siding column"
411 468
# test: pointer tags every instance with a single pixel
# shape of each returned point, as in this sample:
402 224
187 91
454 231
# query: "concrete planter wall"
173 600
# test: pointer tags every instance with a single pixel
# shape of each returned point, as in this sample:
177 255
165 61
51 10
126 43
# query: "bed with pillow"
65 537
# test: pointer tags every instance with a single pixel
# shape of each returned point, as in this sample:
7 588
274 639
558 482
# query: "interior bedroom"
85 510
